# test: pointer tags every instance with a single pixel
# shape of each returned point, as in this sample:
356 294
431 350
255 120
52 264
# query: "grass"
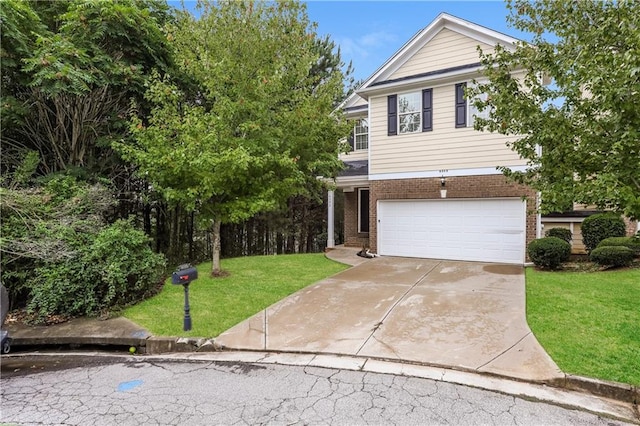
216 304
588 322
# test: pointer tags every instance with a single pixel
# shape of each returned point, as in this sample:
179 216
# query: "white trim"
347 184
483 171
444 79
422 37
563 219
538 216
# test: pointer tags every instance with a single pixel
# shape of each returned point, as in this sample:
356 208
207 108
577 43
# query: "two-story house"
420 181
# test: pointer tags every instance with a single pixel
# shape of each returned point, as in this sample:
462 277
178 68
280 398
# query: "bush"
61 257
631 243
597 227
562 233
612 255
115 269
549 252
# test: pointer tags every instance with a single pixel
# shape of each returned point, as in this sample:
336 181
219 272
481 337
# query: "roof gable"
444 25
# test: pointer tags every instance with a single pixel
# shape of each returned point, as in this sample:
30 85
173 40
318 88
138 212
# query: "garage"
484 230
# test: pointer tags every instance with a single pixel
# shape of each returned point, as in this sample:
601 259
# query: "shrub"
597 227
59 256
631 243
562 233
549 252
115 269
612 255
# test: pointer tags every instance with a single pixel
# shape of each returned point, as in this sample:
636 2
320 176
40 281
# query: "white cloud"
364 45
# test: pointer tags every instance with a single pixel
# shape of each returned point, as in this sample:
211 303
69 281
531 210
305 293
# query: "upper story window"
466 111
361 134
410 112
409 107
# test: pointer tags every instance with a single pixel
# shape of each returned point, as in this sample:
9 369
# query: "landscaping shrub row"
603 237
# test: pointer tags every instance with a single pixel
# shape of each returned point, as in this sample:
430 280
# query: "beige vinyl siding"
577 246
358 102
447 49
446 147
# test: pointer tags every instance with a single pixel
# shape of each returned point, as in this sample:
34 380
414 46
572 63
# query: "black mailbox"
184 274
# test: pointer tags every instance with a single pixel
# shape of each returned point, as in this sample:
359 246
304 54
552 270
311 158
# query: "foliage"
588 322
549 252
59 257
597 227
562 233
580 133
632 243
612 255
254 283
69 70
254 127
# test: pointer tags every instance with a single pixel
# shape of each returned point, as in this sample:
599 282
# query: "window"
465 107
411 112
409 107
474 112
363 210
361 134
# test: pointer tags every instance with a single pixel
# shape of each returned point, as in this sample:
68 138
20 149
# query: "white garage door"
488 230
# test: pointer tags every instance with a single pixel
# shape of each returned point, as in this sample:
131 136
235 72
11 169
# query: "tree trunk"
215 261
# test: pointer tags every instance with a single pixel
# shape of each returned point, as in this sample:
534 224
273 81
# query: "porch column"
331 243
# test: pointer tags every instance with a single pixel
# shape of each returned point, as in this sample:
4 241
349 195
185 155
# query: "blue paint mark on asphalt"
125 386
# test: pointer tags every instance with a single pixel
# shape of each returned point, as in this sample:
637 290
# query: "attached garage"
484 230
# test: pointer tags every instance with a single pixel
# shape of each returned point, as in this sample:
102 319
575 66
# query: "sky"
370 32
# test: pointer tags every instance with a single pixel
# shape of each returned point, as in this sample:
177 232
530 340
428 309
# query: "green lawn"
589 322
219 303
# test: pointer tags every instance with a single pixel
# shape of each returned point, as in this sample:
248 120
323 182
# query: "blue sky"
369 32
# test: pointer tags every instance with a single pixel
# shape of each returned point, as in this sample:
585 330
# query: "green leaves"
254 123
570 100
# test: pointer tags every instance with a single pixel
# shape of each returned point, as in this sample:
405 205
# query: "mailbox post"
183 276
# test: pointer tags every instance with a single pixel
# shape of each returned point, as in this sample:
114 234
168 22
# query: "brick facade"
353 238
491 186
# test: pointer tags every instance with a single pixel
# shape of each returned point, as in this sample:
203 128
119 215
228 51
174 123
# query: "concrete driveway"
462 315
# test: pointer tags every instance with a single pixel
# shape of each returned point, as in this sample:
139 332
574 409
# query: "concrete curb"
539 392
157 346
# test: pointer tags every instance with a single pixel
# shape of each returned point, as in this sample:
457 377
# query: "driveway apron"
463 315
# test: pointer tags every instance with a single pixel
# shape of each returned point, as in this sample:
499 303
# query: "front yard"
218 303
589 323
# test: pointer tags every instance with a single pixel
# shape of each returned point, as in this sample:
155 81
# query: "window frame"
356 124
418 112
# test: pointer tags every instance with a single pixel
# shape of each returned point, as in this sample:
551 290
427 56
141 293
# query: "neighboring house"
413 139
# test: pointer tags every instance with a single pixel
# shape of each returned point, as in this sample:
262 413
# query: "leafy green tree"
254 127
69 70
581 132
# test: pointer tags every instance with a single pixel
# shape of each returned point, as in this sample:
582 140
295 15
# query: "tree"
69 70
253 127
580 133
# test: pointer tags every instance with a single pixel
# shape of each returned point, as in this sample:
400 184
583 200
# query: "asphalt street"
136 392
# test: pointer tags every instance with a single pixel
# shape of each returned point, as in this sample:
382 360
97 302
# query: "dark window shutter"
461 105
392 115
350 140
364 210
427 110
